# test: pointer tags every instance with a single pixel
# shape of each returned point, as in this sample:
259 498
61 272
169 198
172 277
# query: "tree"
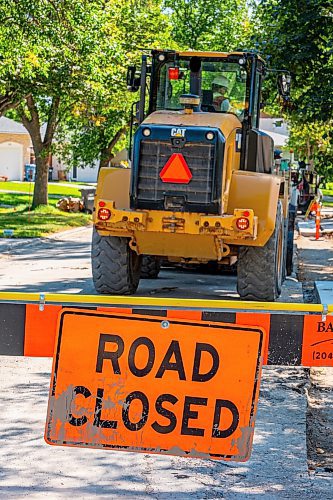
298 35
99 121
54 52
313 143
207 24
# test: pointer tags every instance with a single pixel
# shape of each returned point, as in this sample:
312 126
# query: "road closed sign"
154 385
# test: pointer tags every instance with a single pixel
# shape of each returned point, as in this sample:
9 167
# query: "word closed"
148 384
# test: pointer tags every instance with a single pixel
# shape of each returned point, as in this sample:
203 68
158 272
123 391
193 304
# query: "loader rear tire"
259 269
115 266
150 267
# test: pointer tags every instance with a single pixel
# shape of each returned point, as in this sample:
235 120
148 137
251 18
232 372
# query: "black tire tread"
111 268
255 279
150 267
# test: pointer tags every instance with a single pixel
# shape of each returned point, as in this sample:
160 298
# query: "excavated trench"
313 264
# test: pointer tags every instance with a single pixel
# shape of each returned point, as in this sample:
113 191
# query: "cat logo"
178 132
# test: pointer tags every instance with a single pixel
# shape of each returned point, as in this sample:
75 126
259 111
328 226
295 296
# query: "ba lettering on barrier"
317 341
148 384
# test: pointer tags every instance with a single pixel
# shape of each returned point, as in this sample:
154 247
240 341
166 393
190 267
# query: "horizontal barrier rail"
296 334
133 301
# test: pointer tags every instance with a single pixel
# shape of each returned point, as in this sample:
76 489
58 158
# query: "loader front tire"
115 266
150 267
260 269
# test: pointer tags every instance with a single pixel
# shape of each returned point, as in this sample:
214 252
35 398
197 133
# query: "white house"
278 130
15 149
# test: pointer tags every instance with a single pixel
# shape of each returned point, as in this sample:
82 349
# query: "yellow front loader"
201 186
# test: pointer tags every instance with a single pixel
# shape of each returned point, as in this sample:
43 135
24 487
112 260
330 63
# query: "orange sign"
317 348
176 170
154 385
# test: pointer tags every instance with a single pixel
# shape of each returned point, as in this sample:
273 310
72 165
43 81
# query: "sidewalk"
8 244
316 264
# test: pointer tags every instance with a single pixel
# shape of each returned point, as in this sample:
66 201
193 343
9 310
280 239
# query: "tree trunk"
41 181
41 146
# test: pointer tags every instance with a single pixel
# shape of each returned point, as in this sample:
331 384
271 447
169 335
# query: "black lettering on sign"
199 349
98 421
224 433
78 421
113 355
323 328
165 429
173 350
190 414
135 426
141 372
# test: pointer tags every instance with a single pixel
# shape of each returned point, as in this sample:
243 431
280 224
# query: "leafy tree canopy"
298 35
63 61
101 118
207 24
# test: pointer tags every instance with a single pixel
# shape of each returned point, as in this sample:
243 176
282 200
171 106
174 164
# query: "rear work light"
242 223
104 214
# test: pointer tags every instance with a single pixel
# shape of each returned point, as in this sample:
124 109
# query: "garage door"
11 161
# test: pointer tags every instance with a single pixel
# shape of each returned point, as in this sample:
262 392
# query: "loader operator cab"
220 85
225 83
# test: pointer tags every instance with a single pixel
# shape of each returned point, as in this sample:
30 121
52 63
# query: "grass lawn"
40 222
328 191
53 188
15 213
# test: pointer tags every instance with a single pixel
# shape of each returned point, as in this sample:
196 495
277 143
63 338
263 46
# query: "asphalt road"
30 468
62 264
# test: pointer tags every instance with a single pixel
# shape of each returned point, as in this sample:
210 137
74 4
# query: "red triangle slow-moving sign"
176 170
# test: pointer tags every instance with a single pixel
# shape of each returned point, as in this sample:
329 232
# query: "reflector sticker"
176 170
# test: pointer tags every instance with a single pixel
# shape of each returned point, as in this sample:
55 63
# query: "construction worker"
220 86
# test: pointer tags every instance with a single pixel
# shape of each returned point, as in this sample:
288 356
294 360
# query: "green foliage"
99 119
50 48
313 143
207 24
297 35
53 54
